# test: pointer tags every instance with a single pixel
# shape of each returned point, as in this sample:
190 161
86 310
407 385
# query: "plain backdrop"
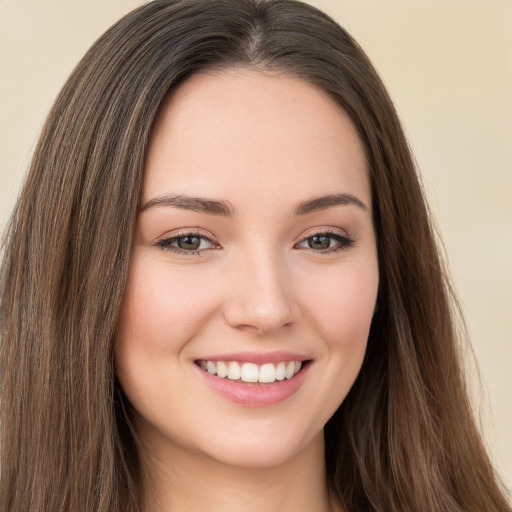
448 67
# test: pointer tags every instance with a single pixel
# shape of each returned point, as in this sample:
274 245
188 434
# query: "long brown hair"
404 439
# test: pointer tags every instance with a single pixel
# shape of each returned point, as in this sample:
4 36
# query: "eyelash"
344 240
165 243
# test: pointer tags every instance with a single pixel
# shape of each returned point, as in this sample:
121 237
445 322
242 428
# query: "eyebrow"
196 204
224 208
322 203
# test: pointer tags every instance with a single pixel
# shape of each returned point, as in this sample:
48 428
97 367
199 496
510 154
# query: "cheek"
344 314
339 303
161 307
342 304
342 307
162 310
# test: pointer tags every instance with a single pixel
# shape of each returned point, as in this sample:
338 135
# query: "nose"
260 296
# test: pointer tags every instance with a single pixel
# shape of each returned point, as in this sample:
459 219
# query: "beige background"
448 67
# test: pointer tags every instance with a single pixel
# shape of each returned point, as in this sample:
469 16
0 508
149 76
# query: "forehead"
256 132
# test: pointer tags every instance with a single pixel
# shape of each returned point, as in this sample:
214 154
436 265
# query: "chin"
253 451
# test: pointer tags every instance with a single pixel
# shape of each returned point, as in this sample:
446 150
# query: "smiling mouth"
252 373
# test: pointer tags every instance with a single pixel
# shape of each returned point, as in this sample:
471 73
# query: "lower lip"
254 394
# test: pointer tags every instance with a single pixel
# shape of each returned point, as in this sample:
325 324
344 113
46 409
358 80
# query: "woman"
220 287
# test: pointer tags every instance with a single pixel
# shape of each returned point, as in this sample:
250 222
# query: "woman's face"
254 255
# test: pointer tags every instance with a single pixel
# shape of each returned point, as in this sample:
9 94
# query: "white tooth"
249 372
222 369
280 371
290 369
267 373
211 367
298 366
233 370
202 364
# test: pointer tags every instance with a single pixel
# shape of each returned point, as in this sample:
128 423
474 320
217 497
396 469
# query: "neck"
179 481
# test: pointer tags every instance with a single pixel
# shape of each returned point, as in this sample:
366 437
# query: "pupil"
189 242
319 242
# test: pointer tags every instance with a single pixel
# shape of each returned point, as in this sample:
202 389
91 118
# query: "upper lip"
257 357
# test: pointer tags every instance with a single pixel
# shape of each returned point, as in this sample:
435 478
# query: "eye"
326 242
187 243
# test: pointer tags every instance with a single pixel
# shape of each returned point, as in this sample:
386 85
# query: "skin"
262 143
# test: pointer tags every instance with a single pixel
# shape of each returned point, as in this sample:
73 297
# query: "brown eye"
326 242
319 242
188 243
